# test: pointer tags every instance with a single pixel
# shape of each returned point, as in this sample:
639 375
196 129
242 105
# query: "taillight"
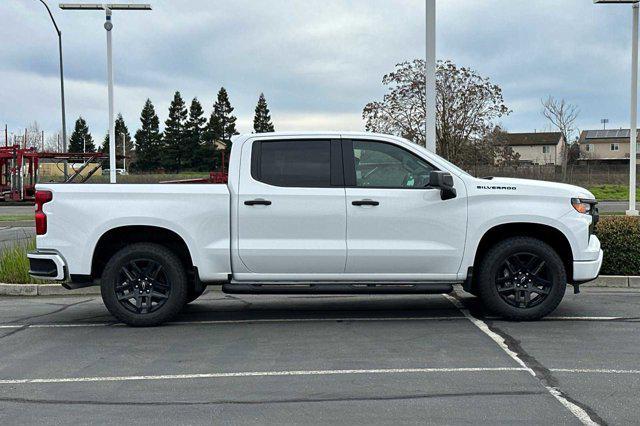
42 197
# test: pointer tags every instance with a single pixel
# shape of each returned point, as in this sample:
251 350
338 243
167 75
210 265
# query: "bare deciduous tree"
467 105
504 153
562 115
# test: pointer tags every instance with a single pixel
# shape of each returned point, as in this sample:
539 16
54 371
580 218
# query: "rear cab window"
297 163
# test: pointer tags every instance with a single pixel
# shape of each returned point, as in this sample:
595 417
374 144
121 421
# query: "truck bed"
79 215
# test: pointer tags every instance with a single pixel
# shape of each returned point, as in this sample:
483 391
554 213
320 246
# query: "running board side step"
337 288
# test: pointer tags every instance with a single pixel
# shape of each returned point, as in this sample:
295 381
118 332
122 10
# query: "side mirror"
443 181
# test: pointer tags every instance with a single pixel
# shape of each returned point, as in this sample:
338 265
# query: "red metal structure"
19 169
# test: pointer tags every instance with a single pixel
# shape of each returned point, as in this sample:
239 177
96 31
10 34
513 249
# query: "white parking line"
295 320
247 321
375 371
258 374
576 410
593 371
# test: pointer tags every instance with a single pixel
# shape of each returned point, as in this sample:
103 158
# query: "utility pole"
108 26
64 118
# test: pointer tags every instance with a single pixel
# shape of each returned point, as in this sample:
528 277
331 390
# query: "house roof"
524 139
606 136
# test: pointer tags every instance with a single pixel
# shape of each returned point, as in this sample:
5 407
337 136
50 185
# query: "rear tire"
144 285
522 279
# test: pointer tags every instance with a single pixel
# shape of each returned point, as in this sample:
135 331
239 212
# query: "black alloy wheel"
143 287
523 280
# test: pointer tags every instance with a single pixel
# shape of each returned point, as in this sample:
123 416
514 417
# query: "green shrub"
620 238
14 265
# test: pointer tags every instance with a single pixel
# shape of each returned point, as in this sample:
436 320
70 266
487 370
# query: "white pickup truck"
320 213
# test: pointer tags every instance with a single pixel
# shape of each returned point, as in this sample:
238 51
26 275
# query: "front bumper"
588 270
47 265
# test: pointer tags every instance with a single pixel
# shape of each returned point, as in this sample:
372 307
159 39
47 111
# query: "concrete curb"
604 281
44 290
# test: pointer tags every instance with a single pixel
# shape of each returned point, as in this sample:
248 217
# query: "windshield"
449 164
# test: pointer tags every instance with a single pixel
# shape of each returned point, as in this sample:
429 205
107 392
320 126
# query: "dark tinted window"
294 163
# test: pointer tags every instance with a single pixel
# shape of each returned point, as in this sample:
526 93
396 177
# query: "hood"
543 187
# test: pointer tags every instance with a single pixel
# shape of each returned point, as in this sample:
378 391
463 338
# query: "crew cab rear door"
291 209
396 228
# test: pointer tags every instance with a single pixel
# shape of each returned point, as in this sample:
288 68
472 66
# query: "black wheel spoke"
152 270
125 296
535 265
541 281
158 295
500 280
127 285
131 276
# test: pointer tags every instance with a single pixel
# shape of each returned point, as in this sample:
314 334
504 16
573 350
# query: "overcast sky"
317 61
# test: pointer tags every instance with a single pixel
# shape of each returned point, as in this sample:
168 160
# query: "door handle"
257 202
365 203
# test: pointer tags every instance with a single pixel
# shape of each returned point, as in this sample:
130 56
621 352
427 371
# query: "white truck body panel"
82 213
316 234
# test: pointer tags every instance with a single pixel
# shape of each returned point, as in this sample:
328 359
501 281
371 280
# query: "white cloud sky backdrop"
317 61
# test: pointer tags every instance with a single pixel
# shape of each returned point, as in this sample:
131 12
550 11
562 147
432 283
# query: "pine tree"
194 135
174 132
148 140
120 129
222 124
81 139
262 120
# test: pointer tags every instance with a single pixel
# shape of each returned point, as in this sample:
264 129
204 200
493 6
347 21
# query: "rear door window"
291 163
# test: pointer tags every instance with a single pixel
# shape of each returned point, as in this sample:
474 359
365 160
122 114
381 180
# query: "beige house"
537 148
605 145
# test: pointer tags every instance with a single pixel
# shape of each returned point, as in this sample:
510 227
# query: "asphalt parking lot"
320 360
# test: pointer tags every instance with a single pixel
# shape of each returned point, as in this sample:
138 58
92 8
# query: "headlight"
583 205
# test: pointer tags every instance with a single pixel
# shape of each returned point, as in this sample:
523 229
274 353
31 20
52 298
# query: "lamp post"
108 26
430 77
64 116
124 153
633 134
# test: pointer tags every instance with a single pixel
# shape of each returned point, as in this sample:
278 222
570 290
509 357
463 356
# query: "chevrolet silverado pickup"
338 213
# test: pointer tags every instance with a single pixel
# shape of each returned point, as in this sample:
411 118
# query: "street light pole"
633 131
64 116
108 26
430 77
633 211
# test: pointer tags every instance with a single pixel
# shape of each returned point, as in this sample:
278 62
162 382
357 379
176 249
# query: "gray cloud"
318 62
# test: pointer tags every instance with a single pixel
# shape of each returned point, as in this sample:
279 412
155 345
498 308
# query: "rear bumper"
584 271
47 265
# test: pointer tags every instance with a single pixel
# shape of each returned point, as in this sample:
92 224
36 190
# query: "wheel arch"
546 233
116 238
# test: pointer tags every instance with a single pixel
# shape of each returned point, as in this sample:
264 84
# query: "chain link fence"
582 174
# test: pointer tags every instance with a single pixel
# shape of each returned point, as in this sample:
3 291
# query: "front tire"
522 278
144 285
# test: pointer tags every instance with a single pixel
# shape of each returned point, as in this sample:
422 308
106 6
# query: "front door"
291 211
396 228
